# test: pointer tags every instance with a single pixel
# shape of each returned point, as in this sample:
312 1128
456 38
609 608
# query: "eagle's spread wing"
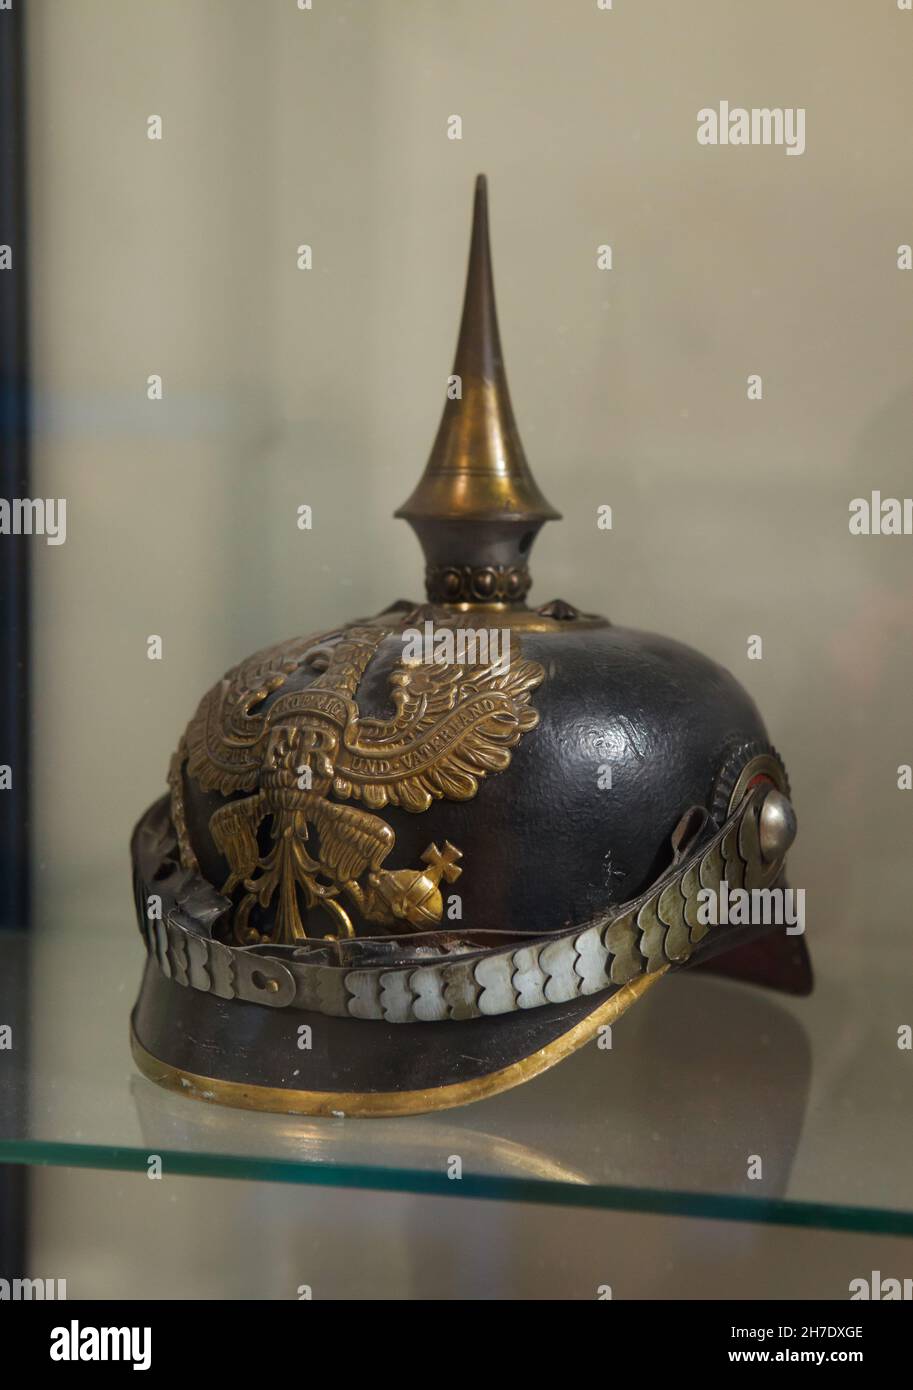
351 841
452 725
225 740
234 831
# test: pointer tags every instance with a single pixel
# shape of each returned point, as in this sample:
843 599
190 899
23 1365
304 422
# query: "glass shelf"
703 1074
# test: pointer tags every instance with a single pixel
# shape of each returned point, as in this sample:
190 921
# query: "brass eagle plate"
301 757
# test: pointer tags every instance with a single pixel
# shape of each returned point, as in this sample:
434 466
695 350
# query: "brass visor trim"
387 1103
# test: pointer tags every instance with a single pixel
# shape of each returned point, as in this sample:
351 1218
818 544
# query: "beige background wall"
282 387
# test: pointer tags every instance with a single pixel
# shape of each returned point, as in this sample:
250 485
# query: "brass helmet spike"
477 508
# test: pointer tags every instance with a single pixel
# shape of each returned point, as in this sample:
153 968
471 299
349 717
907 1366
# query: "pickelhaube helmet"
415 860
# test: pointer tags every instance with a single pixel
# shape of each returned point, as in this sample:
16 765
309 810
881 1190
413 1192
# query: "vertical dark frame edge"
15 409
14 476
